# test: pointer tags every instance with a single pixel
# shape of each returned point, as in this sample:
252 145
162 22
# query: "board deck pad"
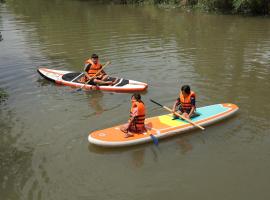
72 76
162 126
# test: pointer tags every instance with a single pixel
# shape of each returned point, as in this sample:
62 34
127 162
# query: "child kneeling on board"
137 116
186 103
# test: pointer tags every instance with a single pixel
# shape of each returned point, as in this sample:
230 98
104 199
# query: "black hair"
94 55
186 89
136 96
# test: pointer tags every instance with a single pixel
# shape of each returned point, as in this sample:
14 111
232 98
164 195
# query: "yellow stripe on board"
167 119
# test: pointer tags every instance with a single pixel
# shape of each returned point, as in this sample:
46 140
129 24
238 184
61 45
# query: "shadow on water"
15 165
137 153
43 82
116 150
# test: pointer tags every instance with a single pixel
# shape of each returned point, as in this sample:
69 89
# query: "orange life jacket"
185 102
138 122
94 68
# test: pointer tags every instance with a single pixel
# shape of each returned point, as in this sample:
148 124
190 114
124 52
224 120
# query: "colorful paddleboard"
162 126
69 78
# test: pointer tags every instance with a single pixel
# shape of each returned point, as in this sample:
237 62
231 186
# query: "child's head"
136 97
94 58
185 89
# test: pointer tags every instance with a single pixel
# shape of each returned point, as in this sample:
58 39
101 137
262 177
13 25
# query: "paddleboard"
162 126
68 78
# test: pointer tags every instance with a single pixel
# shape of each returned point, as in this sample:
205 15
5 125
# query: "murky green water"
44 150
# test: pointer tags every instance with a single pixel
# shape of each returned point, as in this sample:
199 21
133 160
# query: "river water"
44 150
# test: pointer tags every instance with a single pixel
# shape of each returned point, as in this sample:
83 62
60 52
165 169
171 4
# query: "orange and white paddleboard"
162 126
69 78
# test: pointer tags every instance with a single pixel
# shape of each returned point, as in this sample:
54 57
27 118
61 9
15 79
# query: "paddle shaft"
177 114
107 63
76 77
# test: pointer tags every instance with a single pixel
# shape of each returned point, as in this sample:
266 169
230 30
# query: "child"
186 102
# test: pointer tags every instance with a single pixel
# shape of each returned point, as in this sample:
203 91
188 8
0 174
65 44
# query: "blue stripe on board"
208 111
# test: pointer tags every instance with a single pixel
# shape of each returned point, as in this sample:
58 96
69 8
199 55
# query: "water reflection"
138 158
136 154
95 101
16 162
184 145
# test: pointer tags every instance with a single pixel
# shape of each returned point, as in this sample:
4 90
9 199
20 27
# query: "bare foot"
185 115
115 81
123 129
110 83
128 135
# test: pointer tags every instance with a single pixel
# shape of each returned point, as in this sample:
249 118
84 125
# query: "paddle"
188 120
91 78
76 77
155 139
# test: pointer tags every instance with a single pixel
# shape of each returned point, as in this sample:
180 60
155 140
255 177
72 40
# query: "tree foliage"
235 6
252 6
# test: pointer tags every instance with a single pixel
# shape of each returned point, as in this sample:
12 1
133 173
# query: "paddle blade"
79 89
155 139
76 90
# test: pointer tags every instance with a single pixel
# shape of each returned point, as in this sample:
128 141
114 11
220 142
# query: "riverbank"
243 7
240 7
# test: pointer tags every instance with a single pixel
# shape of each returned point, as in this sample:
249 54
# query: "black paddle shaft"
156 103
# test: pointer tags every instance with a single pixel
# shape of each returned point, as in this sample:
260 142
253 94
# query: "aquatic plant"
3 95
